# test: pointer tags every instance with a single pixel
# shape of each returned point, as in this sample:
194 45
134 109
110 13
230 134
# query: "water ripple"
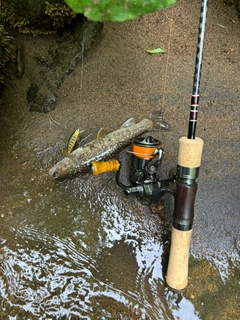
91 258
52 275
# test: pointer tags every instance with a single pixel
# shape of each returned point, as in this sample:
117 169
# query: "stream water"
73 251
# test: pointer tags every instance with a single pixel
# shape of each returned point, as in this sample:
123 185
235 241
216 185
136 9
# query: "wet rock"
40 98
48 72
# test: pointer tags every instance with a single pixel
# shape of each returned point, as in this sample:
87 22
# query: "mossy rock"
66 52
65 30
36 16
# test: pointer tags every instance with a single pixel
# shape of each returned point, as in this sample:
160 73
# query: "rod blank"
198 70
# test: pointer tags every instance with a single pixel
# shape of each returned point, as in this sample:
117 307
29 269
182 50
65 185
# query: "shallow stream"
80 249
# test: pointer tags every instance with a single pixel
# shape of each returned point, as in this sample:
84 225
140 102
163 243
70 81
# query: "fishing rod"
189 161
145 183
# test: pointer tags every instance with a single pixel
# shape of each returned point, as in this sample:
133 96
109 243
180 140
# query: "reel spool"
146 158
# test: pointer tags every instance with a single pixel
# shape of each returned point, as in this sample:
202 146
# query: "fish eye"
55 174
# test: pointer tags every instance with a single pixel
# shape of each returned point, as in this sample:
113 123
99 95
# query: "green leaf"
158 50
116 10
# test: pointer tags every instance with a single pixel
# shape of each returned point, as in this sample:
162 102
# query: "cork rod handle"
177 273
189 156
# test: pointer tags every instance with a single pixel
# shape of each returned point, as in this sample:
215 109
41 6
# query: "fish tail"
157 118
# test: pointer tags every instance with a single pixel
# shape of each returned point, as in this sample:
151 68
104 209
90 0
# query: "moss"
59 13
10 16
5 54
42 19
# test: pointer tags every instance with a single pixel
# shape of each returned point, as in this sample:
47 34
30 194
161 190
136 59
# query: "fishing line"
168 54
81 74
167 60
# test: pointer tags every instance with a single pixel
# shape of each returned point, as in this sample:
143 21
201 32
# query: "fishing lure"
71 143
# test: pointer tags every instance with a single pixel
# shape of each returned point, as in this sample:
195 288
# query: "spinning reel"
144 170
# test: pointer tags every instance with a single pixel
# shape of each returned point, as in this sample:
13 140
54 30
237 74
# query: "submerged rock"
58 63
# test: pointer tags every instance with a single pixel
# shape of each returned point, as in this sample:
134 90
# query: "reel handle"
189 160
104 166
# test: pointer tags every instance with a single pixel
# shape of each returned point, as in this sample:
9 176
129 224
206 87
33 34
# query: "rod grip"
190 152
177 273
189 160
105 166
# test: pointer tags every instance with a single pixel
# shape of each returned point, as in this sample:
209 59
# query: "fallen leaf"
221 26
158 50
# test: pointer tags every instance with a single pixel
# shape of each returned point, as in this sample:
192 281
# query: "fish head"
59 171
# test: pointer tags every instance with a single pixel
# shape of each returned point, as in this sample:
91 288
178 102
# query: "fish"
71 143
106 147
20 61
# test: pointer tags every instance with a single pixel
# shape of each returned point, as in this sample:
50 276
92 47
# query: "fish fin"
81 142
101 134
65 154
129 123
157 118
